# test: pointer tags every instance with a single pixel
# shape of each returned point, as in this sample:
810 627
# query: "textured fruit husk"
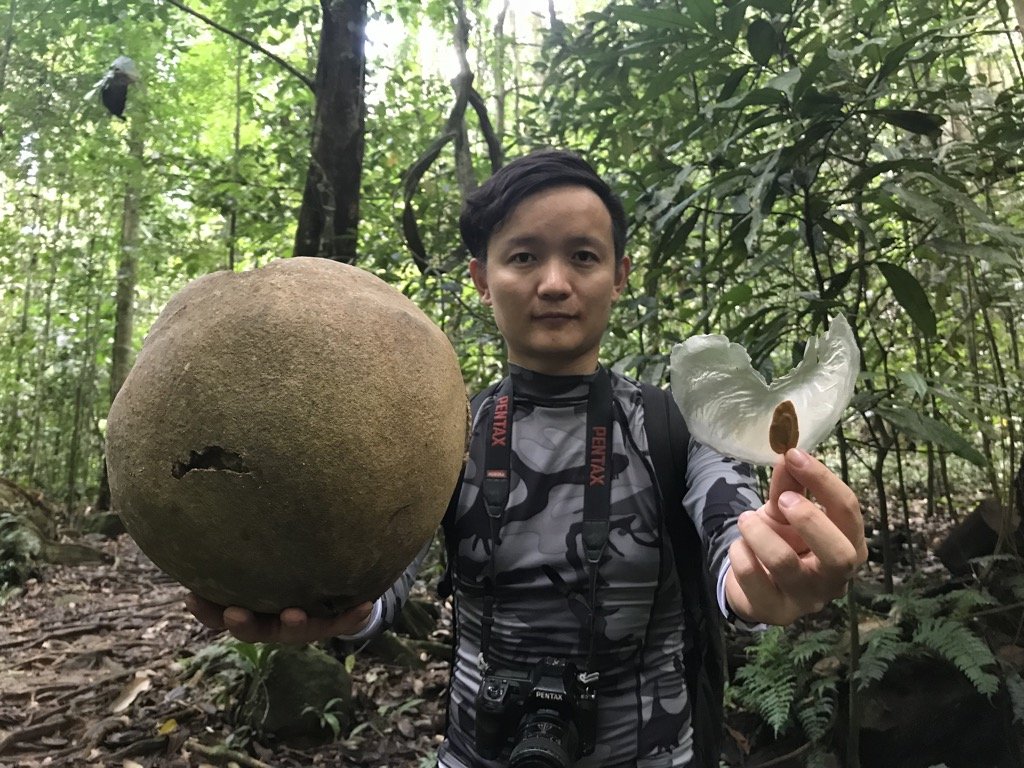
341 410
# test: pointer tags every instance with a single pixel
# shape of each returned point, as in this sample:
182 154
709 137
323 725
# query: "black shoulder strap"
444 585
704 657
667 438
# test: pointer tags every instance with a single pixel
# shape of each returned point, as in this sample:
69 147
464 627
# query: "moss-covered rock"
288 436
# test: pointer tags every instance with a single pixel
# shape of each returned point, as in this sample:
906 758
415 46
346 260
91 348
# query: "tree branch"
242 39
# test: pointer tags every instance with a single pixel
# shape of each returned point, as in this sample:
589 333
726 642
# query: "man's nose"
554 279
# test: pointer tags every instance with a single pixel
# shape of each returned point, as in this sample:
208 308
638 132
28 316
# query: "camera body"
545 715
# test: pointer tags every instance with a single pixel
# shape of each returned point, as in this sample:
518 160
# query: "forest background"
781 161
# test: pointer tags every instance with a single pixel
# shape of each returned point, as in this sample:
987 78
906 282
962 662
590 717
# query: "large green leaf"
705 12
924 123
653 17
762 41
911 296
773 6
912 422
872 170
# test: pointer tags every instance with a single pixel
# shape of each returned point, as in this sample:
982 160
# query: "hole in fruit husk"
211 457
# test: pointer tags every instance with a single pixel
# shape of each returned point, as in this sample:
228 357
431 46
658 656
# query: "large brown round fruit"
288 436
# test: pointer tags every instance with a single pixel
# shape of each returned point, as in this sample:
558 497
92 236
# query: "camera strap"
596 495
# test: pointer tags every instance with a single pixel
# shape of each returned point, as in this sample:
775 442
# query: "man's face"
551 278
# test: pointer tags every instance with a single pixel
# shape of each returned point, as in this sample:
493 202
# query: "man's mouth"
554 316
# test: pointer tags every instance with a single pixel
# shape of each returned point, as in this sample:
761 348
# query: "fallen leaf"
139 684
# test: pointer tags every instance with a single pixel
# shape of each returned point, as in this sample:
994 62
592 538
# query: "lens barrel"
545 741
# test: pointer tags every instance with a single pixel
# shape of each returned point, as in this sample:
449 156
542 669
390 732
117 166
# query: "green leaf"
915 381
332 722
911 296
870 171
785 82
762 41
923 123
705 13
652 17
732 82
772 6
738 295
894 58
926 428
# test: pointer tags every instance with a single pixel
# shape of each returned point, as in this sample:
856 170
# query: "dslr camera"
546 716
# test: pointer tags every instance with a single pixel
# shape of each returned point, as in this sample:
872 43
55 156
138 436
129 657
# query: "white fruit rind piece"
728 405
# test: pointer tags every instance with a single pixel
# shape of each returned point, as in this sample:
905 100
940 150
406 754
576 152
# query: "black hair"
487 207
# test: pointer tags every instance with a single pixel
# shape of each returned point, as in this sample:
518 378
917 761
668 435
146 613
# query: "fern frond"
767 683
1016 585
883 647
814 645
953 641
961 603
814 711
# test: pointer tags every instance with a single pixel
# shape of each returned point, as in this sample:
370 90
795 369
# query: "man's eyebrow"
526 241
523 240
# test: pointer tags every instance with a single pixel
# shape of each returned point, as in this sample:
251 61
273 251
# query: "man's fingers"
836 553
247 626
772 551
758 599
210 614
292 626
839 501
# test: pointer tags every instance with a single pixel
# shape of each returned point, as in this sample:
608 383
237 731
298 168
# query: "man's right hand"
293 626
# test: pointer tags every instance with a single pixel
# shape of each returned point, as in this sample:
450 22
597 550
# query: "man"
557 537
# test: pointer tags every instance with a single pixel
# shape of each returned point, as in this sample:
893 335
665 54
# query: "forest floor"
100 665
94 672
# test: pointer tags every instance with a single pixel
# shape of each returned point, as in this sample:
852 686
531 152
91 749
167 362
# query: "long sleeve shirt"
541 592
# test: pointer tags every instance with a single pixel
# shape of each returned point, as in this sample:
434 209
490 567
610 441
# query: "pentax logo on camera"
549 695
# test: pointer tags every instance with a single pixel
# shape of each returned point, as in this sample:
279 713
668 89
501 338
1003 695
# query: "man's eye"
520 258
587 256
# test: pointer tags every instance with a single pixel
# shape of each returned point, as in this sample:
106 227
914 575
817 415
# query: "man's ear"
621 276
478 271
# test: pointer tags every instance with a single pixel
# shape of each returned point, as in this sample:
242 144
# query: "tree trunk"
5 54
329 216
124 322
463 158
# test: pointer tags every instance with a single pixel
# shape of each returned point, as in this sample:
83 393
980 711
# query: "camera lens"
545 742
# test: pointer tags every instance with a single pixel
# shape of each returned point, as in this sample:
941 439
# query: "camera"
545 717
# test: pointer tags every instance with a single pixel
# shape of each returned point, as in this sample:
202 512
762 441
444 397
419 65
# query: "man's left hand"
794 555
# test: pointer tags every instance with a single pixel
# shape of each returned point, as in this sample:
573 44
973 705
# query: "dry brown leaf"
139 684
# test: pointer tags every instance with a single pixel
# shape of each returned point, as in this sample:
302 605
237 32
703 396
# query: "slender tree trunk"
124 322
86 380
973 356
233 216
20 339
463 158
5 54
329 217
500 89
42 358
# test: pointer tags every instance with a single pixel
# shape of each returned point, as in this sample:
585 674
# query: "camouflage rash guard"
542 583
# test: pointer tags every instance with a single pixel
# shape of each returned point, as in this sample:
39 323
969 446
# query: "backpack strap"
444 585
668 441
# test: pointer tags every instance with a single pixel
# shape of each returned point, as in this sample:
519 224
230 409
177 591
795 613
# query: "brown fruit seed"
784 433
